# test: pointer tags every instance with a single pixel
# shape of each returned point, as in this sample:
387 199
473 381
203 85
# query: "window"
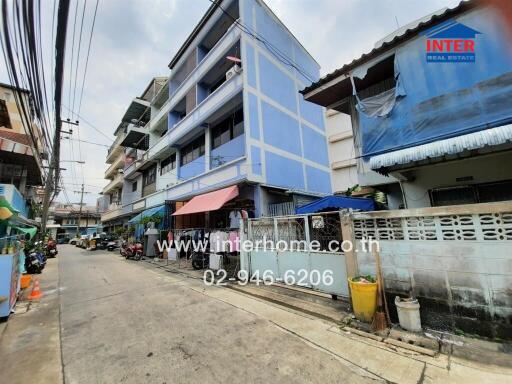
192 151
469 194
134 186
149 176
5 121
168 164
228 129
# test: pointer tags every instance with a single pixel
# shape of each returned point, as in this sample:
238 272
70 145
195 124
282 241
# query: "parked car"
73 241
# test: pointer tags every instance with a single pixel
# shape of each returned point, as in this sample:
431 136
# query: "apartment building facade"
438 130
21 152
66 220
229 115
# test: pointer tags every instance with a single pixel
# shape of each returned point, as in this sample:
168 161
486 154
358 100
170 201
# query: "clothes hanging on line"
218 241
234 219
234 241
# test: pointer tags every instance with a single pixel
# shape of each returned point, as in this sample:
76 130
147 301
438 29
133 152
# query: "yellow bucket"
364 300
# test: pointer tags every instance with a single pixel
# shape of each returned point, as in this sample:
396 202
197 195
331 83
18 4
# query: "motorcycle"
51 249
112 245
200 260
131 251
36 259
33 264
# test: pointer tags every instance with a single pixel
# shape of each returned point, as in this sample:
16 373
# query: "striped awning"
477 140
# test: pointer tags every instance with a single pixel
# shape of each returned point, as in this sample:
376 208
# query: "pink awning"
209 201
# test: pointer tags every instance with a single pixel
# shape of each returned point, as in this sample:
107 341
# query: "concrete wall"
455 260
338 128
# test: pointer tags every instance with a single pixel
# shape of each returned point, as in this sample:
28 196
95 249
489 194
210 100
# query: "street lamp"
73 161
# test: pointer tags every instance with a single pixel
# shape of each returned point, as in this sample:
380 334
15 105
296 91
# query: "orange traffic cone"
36 291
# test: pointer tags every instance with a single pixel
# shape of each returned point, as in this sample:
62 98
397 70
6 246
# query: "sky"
134 40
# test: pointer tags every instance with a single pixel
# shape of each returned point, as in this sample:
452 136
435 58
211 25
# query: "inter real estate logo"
451 42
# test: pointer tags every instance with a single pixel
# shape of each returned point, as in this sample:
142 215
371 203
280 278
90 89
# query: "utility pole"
60 52
81 192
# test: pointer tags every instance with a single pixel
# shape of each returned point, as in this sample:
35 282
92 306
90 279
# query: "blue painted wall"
277 85
227 152
282 107
312 113
318 180
192 169
250 65
283 171
254 120
280 129
256 165
445 99
314 143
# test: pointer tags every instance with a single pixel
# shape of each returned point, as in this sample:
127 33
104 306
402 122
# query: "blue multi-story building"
430 108
229 114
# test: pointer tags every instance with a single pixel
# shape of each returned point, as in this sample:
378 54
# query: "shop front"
206 228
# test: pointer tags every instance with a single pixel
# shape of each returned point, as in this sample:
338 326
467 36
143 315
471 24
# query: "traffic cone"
36 291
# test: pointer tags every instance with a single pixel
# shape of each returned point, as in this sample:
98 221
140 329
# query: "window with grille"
192 151
168 164
149 176
228 129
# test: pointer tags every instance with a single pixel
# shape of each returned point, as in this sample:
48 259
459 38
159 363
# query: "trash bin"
408 314
364 299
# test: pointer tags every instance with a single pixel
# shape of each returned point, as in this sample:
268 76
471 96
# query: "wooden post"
347 233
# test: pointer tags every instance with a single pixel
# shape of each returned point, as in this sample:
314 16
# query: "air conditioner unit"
234 70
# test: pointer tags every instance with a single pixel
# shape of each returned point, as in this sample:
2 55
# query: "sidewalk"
29 341
365 356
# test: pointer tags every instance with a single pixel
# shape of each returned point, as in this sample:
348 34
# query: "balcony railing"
219 49
114 167
114 149
117 181
199 114
112 213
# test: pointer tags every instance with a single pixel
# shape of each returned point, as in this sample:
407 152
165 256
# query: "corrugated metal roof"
477 140
398 37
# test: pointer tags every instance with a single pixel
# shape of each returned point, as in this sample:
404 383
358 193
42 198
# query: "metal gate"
299 250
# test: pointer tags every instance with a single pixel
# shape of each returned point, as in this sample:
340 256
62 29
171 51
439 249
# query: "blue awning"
336 202
155 211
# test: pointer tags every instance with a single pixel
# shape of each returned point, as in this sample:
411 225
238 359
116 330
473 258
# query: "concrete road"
125 322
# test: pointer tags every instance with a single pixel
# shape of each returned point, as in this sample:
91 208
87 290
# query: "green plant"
351 190
151 219
119 231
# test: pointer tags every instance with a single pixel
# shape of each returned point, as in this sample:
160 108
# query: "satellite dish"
234 59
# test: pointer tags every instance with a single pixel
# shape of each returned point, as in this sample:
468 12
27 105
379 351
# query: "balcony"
219 51
113 168
115 149
134 169
228 91
14 197
115 210
136 137
116 182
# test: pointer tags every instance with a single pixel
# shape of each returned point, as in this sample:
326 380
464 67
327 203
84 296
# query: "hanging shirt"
234 241
218 241
234 219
